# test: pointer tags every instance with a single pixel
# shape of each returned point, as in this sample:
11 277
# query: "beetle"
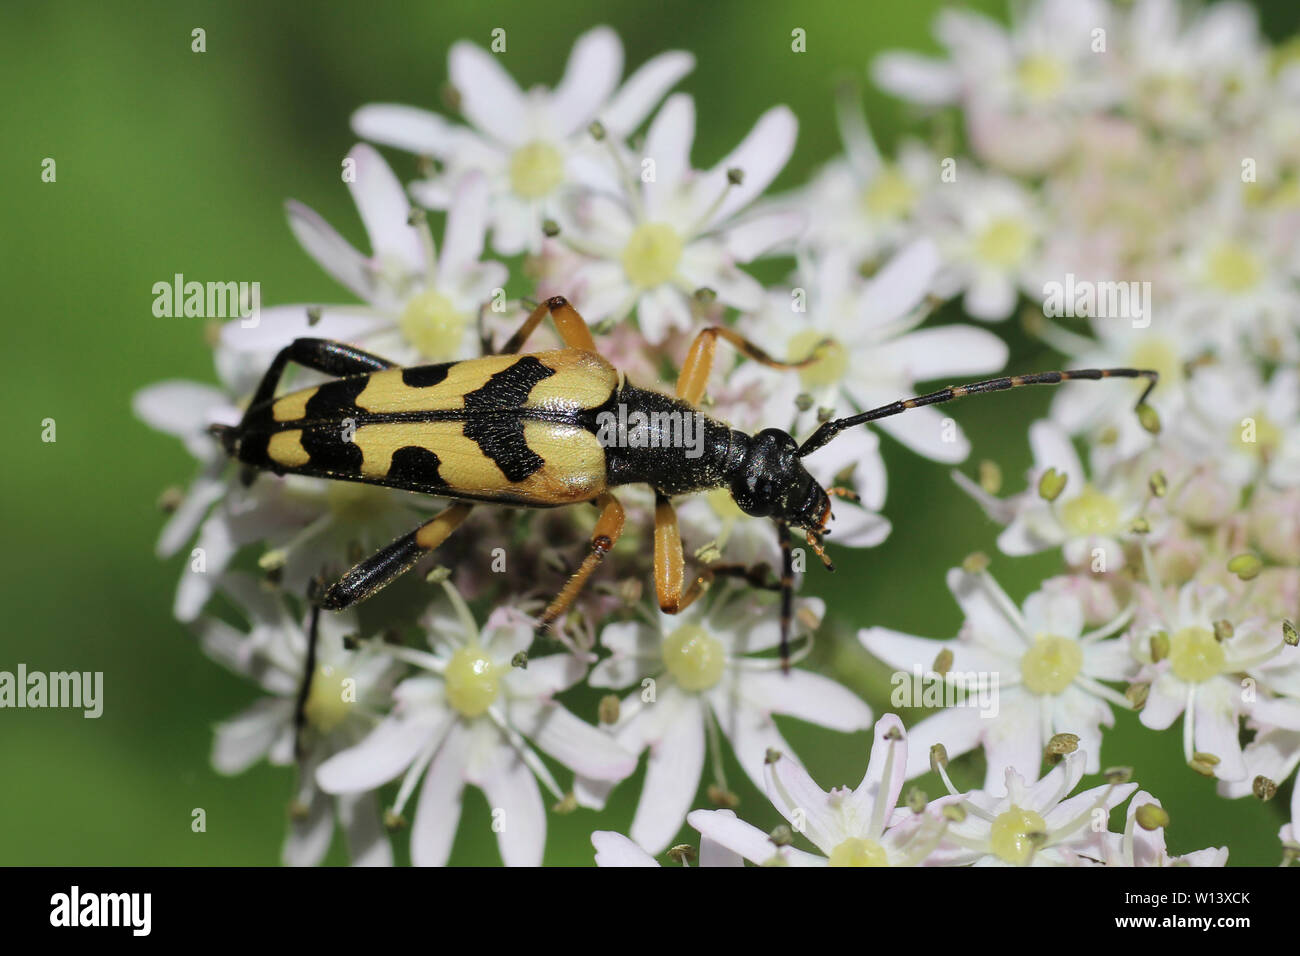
529 430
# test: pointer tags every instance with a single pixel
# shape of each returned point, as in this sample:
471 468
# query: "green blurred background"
171 161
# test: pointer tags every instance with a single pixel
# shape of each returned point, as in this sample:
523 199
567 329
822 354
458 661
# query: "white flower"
1019 86
348 693
672 230
1251 428
464 721
1033 824
989 230
1139 846
862 826
860 203
697 677
420 306
1194 73
1043 671
1086 519
614 849
528 145
1274 753
1194 670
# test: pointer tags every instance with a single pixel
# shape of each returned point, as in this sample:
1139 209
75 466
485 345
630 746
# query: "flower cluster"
1131 189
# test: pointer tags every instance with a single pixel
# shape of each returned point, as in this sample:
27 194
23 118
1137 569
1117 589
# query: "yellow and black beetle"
525 430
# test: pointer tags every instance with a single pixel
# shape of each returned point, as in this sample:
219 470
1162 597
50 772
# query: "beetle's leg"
386 564
609 526
670 562
694 377
309 670
571 326
319 355
787 592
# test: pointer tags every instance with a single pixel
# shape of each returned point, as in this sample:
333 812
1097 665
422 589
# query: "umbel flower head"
469 717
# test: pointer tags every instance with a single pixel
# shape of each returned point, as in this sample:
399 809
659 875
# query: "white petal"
360 818
489 98
722 827
957 728
437 817
614 849
178 408
578 745
331 251
808 696
760 156
244 739
384 753
279 325
991 297
463 238
406 127
1165 701
592 73
309 837
758 235
671 779
186 518
874 788
945 351
516 804
902 283
1053 449
924 80
384 209
668 143
929 432
643 89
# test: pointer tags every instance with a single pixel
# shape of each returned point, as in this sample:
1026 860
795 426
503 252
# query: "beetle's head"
770 481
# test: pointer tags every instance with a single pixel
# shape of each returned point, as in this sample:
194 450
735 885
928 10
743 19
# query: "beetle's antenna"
830 429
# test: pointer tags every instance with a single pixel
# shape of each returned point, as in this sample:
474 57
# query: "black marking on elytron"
425 376
415 465
501 436
336 400
328 451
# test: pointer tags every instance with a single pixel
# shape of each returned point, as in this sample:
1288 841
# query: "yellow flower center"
856 852
1003 243
1158 354
831 365
326 706
694 657
1195 655
652 253
890 196
1233 268
1040 76
473 682
536 168
1090 512
1016 834
433 325
1261 439
1051 664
